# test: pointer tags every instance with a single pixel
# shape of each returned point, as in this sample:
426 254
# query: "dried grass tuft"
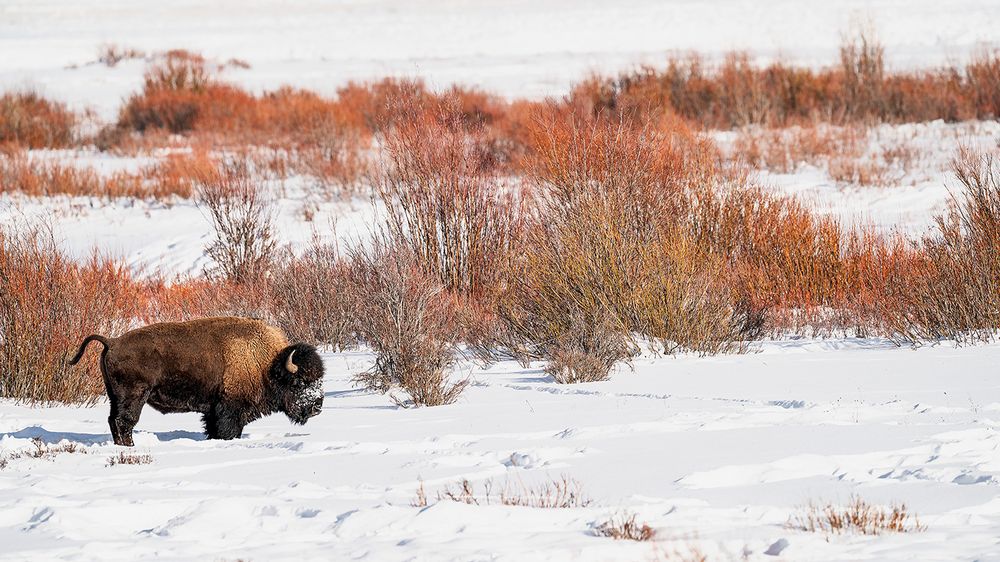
625 527
125 457
858 516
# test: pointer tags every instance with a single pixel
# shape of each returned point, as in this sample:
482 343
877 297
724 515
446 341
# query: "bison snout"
303 412
315 409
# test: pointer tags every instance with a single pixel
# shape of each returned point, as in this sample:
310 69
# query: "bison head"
297 382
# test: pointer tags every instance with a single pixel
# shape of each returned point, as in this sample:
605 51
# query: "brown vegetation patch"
848 153
110 54
125 457
48 303
558 493
29 120
174 176
42 450
625 527
858 516
859 89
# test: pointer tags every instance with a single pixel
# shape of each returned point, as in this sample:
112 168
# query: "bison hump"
247 361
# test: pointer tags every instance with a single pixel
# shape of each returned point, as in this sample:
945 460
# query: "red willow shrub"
959 295
326 138
29 120
605 250
737 92
243 219
173 176
187 299
313 298
444 198
48 304
637 227
182 95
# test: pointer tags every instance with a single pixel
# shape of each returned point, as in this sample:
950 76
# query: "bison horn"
292 367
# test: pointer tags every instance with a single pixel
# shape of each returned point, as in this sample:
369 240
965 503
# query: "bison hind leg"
116 435
116 410
222 423
125 412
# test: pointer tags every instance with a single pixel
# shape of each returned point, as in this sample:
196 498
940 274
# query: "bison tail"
83 346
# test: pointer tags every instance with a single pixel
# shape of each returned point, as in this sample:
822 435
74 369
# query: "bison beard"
232 370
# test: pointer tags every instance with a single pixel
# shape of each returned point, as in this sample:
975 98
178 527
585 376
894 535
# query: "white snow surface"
714 453
168 241
524 48
914 194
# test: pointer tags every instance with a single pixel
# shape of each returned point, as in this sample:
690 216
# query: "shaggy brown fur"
232 370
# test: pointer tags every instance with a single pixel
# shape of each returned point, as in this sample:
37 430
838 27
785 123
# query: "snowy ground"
524 48
169 239
715 454
915 192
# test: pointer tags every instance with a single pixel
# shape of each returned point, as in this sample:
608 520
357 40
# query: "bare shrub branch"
314 300
110 54
41 450
409 321
958 294
242 216
444 198
586 353
125 457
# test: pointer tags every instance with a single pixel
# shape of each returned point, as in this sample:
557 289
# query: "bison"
231 370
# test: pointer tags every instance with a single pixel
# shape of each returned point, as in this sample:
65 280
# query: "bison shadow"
333 394
46 436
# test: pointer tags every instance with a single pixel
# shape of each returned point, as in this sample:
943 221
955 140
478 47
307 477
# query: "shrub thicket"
48 304
29 120
408 320
737 92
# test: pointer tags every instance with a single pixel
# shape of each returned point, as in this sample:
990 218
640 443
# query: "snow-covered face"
303 399
297 377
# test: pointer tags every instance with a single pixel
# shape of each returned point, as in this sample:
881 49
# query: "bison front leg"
223 422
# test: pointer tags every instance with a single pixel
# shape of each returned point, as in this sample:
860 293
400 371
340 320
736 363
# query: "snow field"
714 453
519 48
